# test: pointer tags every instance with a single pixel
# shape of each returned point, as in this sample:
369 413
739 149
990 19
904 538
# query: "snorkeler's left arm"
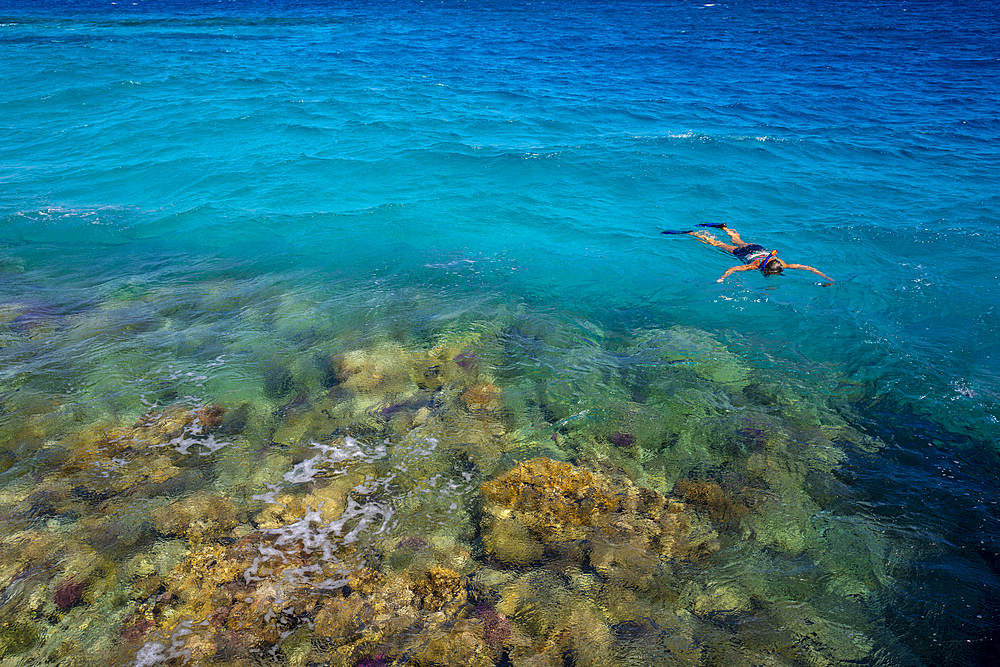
809 268
740 267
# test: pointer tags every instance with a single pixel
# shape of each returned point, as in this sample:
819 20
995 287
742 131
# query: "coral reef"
541 504
413 504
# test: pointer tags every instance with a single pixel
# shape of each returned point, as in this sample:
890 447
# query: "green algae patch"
17 637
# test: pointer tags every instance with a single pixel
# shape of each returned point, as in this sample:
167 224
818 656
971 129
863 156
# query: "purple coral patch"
622 439
496 627
69 593
413 543
377 660
754 438
466 359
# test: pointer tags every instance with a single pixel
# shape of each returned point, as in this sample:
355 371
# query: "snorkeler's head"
771 265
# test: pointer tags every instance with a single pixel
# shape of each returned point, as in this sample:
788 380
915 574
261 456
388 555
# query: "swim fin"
717 225
674 231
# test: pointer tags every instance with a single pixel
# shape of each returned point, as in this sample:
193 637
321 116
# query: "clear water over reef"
345 333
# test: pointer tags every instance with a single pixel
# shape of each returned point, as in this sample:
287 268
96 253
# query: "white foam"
155 653
191 436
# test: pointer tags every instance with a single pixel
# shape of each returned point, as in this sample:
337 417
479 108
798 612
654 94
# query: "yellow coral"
629 527
197 517
196 578
483 397
438 587
558 493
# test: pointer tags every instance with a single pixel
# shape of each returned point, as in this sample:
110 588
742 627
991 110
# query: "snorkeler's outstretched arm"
731 270
808 268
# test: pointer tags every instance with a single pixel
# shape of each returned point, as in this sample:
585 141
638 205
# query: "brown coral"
209 417
483 397
722 508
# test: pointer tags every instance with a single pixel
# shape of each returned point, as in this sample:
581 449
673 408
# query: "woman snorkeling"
752 255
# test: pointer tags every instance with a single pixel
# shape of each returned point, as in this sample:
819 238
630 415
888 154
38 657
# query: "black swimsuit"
748 253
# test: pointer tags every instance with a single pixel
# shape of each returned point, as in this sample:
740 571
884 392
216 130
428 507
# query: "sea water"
288 286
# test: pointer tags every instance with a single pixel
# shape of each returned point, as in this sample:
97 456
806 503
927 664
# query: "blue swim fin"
717 225
674 231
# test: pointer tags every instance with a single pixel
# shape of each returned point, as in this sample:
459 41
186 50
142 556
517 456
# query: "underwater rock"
342 620
105 461
467 360
157 426
197 578
555 499
136 629
461 644
235 421
16 637
417 554
198 517
455 362
48 501
236 597
708 358
29 318
113 535
714 598
7 459
508 540
426 619
553 626
209 417
758 393
622 439
286 509
386 369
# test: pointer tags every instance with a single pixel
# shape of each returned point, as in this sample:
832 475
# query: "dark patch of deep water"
927 473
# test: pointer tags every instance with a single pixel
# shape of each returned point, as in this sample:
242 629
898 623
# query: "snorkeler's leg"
711 240
734 236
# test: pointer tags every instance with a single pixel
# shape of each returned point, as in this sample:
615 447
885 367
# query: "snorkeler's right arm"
740 267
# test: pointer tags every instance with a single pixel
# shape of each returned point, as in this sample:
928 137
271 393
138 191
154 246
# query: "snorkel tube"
771 255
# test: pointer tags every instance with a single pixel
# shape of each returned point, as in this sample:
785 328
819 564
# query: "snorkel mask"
771 255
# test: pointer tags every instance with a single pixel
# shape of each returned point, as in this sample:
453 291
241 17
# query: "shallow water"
346 334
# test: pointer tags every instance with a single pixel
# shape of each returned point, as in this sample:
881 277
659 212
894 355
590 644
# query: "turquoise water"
283 209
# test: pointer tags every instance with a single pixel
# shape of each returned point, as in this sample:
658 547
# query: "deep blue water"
378 167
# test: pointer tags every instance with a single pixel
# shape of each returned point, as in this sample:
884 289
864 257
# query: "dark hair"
772 268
